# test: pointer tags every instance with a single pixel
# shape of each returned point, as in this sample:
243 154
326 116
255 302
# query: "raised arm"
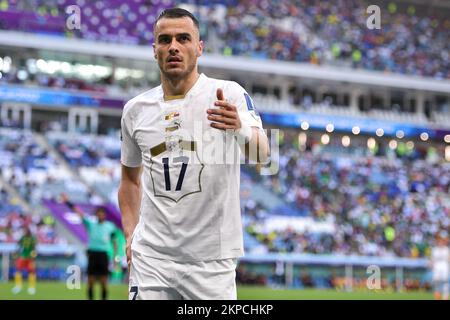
72 206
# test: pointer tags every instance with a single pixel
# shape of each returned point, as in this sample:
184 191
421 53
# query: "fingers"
226 105
222 112
224 116
225 120
222 126
219 94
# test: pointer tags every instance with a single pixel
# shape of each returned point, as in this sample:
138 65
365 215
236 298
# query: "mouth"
174 59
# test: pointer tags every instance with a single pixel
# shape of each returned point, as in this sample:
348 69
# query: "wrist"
244 133
70 204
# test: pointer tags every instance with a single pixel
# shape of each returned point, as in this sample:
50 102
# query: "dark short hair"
173 13
100 209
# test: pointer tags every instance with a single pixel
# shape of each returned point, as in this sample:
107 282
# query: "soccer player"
182 221
440 260
101 234
26 262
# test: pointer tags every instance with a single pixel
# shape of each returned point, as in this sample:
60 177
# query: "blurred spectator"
380 206
414 39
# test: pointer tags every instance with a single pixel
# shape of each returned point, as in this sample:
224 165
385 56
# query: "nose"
173 46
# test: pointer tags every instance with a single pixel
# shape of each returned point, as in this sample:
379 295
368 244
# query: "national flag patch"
171 115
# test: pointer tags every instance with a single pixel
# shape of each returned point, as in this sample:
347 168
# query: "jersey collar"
193 91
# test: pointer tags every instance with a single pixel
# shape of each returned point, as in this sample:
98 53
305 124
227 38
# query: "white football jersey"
190 207
440 256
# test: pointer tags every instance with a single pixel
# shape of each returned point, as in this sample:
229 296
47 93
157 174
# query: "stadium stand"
95 157
392 204
363 204
327 200
33 171
311 31
13 218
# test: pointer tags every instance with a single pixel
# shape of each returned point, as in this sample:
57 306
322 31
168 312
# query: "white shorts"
156 279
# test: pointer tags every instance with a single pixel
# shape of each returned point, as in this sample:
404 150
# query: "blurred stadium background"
364 120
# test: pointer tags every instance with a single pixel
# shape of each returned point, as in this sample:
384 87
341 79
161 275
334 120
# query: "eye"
164 40
183 38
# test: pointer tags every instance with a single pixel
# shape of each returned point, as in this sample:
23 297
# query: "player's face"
177 47
101 215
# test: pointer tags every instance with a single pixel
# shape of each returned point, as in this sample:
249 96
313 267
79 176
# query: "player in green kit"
26 261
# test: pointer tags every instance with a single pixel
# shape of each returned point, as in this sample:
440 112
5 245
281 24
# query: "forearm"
257 149
129 203
114 248
74 208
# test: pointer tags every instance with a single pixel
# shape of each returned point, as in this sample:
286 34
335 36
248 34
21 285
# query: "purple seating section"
116 21
71 221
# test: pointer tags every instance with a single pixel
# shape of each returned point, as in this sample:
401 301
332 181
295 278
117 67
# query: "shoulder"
237 94
227 85
235 87
87 219
232 90
111 225
146 97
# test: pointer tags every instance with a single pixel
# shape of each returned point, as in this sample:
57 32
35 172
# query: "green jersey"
27 245
99 234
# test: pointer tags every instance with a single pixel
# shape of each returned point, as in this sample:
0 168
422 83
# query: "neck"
178 86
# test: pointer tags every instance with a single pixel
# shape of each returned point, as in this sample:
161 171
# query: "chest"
173 125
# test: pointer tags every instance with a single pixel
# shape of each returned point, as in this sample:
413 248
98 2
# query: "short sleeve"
86 222
244 103
130 153
113 231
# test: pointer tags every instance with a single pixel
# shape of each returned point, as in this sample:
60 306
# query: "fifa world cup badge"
173 143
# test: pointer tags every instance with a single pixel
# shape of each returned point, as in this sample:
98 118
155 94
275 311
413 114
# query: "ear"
200 48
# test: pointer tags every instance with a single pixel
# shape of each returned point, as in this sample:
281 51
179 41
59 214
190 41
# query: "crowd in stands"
13 224
391 204
129 22
28 166
95 157
413 39
14 219
380 205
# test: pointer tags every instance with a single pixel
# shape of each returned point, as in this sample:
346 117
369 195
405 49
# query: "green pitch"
58 291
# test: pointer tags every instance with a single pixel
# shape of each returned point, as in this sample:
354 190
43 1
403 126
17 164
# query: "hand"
115 262
128 252
226 117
